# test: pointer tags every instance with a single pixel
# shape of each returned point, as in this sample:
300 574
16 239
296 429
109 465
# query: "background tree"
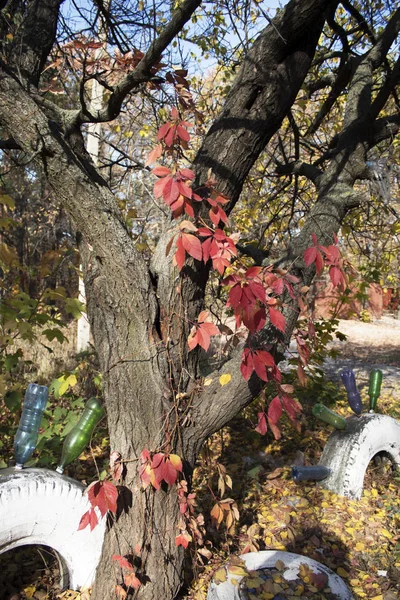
140 308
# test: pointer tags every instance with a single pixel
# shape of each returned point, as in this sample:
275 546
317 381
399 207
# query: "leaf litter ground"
359 540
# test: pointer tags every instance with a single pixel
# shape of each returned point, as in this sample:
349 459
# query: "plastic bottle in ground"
314 473
353 395
28 429
375 382
79 436
324 414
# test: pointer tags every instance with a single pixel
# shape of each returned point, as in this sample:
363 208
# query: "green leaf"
13 400
52 334
11 361
75 307
5 199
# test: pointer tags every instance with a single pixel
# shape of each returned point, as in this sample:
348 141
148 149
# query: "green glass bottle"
375 382
324 414
79 436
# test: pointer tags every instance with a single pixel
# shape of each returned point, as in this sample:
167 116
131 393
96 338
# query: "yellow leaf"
237 570
8 255
176 461
380 597
71 380
63 388
224 379
29 591
10 37
207 381
220 576
386 534
341 572
360 546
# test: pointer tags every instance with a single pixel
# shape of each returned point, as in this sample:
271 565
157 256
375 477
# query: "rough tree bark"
139 320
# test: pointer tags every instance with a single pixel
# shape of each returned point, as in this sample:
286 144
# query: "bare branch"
142 73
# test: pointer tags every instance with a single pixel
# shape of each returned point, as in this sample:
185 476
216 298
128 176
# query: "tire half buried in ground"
347 453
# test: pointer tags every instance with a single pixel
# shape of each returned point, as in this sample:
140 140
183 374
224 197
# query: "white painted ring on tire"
348 452
41 507
267 559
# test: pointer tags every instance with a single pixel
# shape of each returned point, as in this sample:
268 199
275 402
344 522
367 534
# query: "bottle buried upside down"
79 436
353 395
315 473
375 382
328 416
28 429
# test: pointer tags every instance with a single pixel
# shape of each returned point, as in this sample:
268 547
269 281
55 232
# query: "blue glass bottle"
28 429
353 395
314 473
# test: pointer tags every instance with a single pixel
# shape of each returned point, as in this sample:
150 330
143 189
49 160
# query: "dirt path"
369 345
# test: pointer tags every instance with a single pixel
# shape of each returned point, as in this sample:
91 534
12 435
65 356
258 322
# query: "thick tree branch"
33 37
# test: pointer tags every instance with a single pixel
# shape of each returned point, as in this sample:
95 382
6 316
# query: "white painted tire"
348 452
41 507
267 559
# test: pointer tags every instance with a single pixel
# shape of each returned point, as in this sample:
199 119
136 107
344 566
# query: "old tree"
340 59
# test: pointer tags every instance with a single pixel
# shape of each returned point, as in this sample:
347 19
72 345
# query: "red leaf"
291 406
123 562
169 138
160 185
84 522
336 276
187 174
277 319
301 375
319 263
262 426
154 155
183 539
132 581
103 494
277 286
179 256
266 357
89 518
310 255
185 190
314 239
161 171
332 253
164 129
192 245
275 410
170 474
157 464
247 366
116 466
275 430
253 272
183 133
260 367
210 328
